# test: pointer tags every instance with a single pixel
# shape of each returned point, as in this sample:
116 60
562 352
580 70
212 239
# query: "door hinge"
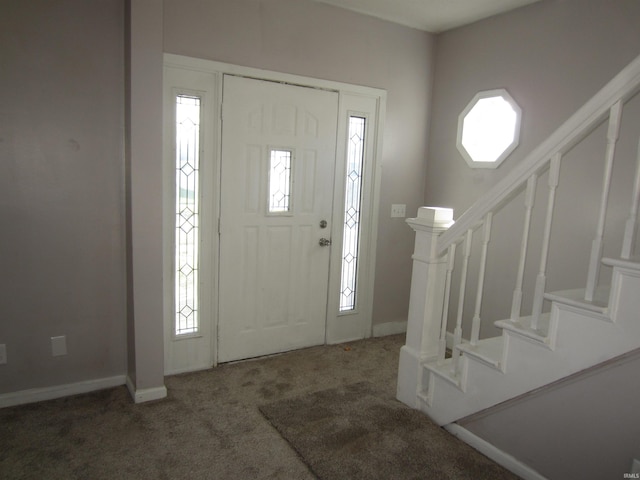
218 225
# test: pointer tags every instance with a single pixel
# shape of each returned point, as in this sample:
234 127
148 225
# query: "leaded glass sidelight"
188 112
352 207
280 181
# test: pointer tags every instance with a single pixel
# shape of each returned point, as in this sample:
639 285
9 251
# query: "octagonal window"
489 129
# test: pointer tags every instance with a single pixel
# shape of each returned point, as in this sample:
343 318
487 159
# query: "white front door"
277 181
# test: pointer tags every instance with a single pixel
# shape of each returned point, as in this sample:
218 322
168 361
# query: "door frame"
353 100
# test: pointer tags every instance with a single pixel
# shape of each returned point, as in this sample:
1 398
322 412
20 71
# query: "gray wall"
552 57
595 437
318 40
62 127
61 191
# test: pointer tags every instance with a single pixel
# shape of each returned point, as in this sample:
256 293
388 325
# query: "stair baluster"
475 325
457 333
628 244
615 115
530 194
442 347
541 279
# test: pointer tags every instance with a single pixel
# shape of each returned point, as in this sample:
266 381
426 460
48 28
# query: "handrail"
621 88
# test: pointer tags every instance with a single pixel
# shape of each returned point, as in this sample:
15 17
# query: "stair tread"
488 350
442 368
522 326
575 297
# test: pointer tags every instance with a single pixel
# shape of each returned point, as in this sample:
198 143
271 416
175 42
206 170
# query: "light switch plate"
398 210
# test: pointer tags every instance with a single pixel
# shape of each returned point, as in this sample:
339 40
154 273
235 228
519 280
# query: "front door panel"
278 160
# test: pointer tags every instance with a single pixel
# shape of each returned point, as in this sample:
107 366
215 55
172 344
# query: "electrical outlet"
59 346
3 354
398 210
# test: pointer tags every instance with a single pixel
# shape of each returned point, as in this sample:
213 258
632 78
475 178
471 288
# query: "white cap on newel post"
434 216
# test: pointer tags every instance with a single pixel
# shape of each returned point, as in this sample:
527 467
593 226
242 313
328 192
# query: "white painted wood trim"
33 395
142 395
390 328
622 87
494 453
210 66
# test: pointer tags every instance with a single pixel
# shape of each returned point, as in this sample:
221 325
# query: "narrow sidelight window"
352 207
187 236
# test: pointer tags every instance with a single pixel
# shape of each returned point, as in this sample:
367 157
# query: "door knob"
324 242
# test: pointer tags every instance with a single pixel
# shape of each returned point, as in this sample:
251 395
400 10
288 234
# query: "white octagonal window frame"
489 128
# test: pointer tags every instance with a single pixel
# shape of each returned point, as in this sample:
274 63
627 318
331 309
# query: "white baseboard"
389 328
500 457
49 393
142 395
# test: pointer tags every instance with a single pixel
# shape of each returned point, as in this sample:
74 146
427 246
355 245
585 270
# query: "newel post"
426 301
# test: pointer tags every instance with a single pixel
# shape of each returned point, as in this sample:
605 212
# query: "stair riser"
625 301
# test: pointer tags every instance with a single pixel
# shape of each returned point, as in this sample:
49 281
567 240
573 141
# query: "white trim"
499 92
389 328
57 391
210 66
494 453
145 394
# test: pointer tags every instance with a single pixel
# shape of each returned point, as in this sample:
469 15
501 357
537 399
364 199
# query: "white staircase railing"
441 245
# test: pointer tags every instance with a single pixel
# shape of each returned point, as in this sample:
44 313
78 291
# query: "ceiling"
430 15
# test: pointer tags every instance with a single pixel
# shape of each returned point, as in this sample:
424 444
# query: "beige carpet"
357 432
209 427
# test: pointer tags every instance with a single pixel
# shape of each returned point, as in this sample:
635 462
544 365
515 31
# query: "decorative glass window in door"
280 181
187 238
352 208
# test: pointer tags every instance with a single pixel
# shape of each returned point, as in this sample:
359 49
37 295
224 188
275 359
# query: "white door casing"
273 271
205 78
